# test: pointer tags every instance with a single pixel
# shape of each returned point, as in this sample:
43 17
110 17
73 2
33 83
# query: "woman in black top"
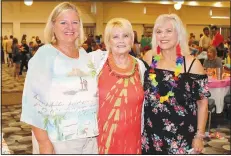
176 91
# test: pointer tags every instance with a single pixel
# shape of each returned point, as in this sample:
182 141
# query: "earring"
158 50
178 50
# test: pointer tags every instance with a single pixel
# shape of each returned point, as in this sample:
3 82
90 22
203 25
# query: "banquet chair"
227 106
211 109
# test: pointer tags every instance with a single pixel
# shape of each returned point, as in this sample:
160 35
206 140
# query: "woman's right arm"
35 94
45 145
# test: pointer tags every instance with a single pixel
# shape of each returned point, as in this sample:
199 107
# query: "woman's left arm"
202 112
202 115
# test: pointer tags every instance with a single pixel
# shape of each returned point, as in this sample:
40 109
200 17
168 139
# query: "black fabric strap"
191 65
184 65
145 64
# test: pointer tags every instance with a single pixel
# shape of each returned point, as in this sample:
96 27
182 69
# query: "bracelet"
199 135
199 130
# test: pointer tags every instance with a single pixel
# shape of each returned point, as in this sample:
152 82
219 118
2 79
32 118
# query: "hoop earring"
158 50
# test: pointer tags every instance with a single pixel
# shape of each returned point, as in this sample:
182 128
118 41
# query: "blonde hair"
213 50
178 26
117 23
49 35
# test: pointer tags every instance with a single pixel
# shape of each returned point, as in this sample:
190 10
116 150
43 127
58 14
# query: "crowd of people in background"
17 55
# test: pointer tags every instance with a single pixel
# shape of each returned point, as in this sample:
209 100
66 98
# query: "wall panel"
32 29
7 29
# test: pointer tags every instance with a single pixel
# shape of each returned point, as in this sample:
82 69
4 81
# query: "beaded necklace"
114 67
152 76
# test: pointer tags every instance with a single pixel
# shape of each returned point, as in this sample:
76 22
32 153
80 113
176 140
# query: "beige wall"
16 13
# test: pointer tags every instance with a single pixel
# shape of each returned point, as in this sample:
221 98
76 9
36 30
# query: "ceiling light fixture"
221 17
93 8
193 3
177 6
28 2
179 1
210 12
165 2
217 4
145 10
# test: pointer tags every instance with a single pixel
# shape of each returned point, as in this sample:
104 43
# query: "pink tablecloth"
218 90
214 83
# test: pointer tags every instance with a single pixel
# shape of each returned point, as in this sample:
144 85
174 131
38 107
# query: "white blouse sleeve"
36 87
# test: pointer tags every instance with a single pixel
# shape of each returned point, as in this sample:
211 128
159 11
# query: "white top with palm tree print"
60 95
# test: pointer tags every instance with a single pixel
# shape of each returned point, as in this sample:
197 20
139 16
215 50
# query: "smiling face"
67 27
120 41
206 32
166 36
211 54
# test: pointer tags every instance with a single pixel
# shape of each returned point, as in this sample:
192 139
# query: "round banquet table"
218 90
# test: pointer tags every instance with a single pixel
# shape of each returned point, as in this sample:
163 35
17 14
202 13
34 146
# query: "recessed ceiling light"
28 2
177 6
193 3
165 2
220 17
136 1
179 1
217 4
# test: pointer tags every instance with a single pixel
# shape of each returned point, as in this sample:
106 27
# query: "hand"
198 145
46 148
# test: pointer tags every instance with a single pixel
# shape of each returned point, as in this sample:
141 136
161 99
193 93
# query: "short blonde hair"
48 31
117 23
213 50
178 26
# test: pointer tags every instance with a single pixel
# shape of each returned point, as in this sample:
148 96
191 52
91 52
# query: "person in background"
145 41
217 41
205 40
31 50
102 47
120 78
89 42
191 40
37 39
212 60
16 55
23 38
2 50
9 51
201 35
94 46
60 92
24 51
227 63
176 92
97 39
136 45
226 44
6 56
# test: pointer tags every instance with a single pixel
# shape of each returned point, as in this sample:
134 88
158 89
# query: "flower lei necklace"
152 75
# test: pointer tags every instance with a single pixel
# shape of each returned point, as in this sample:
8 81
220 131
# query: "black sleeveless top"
169 127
